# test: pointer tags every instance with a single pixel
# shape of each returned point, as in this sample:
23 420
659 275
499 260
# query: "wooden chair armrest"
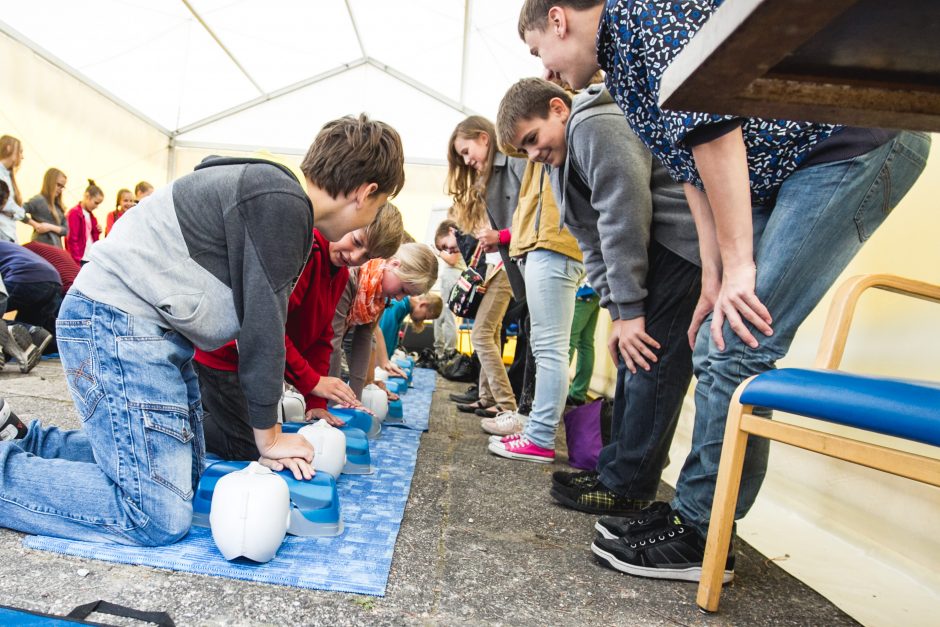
839 320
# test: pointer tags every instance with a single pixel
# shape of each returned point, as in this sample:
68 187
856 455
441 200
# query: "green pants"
582 341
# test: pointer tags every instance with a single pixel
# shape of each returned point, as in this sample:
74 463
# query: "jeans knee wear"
135 463
822 216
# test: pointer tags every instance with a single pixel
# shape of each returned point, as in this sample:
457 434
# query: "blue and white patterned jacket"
636 41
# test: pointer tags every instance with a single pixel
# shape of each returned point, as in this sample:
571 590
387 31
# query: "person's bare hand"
394 369
737 303
334 389
299 467
318 413
705 306
629 340
289 450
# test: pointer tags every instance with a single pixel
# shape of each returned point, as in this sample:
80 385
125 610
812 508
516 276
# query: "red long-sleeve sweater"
309 325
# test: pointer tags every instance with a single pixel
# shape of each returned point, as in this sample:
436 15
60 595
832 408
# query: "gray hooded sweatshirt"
614 197
213 255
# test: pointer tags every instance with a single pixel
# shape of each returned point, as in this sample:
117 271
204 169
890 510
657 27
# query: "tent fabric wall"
69 125
65 124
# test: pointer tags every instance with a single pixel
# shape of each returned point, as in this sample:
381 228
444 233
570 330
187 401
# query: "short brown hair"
383 235
142 187
443 230
534 13
352 151
528 99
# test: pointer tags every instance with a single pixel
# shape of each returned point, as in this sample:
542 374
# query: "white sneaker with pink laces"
524 449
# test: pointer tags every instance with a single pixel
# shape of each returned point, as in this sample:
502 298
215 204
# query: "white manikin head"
380 374
292 407
249 513
375 400
329 445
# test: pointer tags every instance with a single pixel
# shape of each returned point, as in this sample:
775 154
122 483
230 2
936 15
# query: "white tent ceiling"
268 73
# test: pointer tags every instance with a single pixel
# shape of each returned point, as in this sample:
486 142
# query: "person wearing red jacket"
83 226
308 340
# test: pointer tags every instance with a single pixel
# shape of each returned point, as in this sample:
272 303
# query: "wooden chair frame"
742 423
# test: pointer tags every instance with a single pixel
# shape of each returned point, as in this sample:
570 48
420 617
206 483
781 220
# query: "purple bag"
583 434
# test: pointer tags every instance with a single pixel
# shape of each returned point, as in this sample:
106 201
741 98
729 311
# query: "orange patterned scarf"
369 302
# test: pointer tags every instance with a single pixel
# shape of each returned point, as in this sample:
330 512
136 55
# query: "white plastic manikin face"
329 446
249 513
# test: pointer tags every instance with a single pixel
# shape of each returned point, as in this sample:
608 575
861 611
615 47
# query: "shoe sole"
606 533
503 452
570 503
496 434
27 358
463 400
496 439
42 345
693 574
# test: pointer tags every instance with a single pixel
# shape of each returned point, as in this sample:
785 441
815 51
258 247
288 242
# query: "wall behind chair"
886 517
65 124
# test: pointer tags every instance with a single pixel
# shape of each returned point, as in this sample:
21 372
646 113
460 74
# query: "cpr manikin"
329 445
250 513
375 400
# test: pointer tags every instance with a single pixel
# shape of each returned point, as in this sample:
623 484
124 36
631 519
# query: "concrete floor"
482 542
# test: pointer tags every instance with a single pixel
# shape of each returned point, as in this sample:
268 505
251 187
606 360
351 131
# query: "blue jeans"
647 404
551 280
822 216
128 475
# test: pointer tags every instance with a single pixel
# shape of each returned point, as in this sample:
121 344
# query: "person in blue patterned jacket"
824 189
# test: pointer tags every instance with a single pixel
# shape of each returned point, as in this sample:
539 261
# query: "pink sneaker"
502 439
524 449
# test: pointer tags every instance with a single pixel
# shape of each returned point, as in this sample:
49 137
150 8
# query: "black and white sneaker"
40 337
639 524
569 479
675 550
17 343
11 427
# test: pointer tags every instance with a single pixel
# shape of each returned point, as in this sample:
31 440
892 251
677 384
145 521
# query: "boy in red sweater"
308 340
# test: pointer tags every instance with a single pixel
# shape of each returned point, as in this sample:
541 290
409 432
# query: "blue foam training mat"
356 561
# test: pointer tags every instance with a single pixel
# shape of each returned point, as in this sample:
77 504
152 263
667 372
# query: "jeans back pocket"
169 435
80 362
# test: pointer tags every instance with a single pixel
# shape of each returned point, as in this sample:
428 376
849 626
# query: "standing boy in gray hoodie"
209 258
639 243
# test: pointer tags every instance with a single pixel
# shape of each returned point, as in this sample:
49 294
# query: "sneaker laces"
510 438
520 442
674 527
505 418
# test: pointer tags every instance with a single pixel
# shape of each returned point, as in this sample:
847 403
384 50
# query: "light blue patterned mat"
356 561
417 398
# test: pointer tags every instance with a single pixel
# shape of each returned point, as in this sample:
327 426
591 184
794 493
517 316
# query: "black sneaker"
672 551
568 479
40 337
11 427
652 517
17 343
595 498
472 395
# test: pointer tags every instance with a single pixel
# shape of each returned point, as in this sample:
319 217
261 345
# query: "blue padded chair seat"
905 409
